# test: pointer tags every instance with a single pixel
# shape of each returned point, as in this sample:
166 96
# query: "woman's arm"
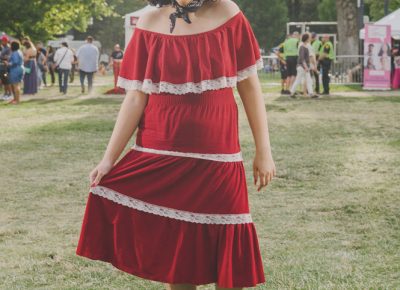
127 121
254 105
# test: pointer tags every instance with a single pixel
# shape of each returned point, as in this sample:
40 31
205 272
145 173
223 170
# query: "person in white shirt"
313 66
303 68
63 59
88 59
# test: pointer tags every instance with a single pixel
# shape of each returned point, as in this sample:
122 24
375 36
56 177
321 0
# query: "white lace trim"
187 216
235 157
147 86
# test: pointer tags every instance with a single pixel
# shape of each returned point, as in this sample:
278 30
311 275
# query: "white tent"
131 20
393 19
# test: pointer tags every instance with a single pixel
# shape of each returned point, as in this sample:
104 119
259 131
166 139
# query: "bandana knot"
183 11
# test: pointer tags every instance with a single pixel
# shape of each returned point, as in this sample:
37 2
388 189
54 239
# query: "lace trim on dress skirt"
148 86
236 157
187 216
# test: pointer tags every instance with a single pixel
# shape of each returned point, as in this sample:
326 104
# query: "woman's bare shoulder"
150 19
218 8
228 8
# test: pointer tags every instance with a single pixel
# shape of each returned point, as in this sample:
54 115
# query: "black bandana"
183 11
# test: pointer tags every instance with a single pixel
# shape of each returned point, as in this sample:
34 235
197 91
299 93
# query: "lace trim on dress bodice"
149 87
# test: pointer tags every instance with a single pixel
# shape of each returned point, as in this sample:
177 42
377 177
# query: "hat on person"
4 38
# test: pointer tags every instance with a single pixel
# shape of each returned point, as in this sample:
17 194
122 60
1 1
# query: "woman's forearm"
254 105
127 121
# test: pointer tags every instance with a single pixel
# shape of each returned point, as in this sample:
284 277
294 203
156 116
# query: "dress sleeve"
134 62
248 55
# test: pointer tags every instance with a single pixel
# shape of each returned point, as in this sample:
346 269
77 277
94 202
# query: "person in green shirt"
316 44
291 49
280 53
326 56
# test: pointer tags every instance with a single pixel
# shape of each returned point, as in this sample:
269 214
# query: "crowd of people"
303 58
25 67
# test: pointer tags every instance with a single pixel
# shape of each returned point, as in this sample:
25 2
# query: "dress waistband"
213 97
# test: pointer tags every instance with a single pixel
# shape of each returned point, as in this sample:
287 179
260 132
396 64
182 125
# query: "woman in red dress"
175 208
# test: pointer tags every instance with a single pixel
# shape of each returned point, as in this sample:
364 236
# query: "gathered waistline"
235 157
223 96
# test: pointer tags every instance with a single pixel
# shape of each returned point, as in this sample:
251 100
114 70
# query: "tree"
42 19
303 10
327 10
347 27
110 30
268 19
377 8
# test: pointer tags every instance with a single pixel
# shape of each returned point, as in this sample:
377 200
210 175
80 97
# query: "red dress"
175 208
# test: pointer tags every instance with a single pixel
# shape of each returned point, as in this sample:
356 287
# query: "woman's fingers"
265 178
255 174
262 181
92 175
98 177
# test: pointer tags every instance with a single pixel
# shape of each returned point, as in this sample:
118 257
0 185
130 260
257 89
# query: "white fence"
346 69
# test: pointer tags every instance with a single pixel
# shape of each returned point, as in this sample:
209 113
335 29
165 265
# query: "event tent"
131 20
393 19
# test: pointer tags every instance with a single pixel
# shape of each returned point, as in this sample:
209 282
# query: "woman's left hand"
263 169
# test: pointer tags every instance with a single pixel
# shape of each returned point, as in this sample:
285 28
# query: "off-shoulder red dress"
175 208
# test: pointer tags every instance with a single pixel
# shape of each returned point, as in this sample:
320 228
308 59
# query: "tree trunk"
347 27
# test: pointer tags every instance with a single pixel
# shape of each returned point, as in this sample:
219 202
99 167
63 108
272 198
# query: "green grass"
330 220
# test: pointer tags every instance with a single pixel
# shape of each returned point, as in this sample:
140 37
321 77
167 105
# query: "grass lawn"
330 220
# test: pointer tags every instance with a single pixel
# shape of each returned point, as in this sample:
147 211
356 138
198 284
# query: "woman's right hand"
99 171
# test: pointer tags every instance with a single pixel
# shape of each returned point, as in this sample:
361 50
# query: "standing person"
63 59
303 68
16 68
291 47
88 59
116 60
4 57
326 56
313 66
183 182
104 63
73 69
41 59
50 64
396 68
280 52
30 76
316 45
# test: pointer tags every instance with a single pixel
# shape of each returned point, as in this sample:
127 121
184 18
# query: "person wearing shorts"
291 47
280 52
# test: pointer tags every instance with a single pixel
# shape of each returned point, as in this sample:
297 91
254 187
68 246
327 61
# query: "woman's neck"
197 13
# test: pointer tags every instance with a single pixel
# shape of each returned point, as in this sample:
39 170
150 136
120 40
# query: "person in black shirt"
50 64
116 59
280 52
5 54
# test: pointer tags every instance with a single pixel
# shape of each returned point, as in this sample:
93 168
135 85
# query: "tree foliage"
376 8
110 30
268 19
302 10
42 19
327 10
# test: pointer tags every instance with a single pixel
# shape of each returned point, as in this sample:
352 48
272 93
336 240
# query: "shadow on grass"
45 101
346 99
384 99
83 125
98 101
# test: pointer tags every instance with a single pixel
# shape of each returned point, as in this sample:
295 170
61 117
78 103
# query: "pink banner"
377 46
